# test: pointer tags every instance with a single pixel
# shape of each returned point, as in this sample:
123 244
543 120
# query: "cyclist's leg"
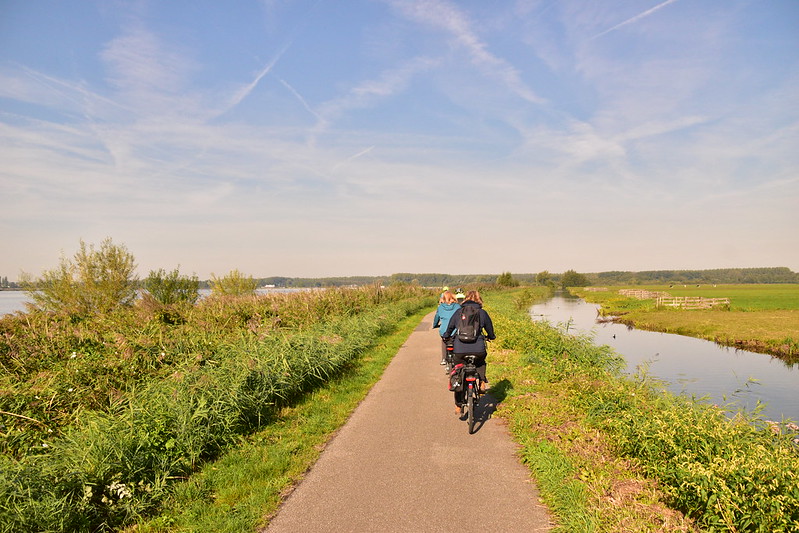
459 400
480 363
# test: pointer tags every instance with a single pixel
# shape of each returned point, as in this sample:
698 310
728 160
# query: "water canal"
687 365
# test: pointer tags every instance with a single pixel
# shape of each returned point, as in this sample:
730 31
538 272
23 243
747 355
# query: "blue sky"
326 138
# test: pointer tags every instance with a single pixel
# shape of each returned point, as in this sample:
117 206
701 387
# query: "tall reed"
104 467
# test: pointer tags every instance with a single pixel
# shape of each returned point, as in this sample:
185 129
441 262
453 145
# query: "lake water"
11 301
686 364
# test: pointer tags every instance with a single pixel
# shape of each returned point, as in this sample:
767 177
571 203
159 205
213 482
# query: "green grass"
751 297
761 318
240 490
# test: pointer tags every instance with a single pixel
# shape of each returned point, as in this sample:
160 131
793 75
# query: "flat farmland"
762 318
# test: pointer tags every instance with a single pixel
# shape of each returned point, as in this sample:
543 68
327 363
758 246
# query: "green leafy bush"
94 282
169 288
234 283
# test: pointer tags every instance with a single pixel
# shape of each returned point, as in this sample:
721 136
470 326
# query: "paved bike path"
404 462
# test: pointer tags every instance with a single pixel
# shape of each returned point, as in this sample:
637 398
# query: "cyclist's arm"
453 323
488 326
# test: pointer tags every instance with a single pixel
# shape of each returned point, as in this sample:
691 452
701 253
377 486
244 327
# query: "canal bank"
735 379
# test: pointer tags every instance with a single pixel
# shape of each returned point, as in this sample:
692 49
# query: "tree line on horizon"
570 277
615 277
113 255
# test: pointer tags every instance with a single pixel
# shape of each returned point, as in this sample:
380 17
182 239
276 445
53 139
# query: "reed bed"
190 389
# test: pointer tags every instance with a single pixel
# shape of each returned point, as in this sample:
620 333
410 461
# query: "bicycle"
470 395
450 346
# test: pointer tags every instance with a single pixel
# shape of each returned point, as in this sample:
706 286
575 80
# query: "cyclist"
459 296
478 347
446 308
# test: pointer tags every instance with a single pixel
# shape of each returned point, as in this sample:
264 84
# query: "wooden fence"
691 302
643 295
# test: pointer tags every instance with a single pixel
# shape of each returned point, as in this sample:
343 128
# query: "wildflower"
70 389
74 355
121 490
45 445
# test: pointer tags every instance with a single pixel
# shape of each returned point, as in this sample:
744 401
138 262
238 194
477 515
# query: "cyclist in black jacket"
478 347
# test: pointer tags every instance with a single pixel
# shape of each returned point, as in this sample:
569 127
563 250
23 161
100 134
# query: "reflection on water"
693 366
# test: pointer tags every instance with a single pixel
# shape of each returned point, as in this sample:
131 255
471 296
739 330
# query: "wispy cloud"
447 16
144 72
634 19
364 94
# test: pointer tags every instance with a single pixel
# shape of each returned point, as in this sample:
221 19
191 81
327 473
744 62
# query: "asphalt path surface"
404 462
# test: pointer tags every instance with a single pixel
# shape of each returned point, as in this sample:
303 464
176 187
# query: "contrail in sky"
300 98
242 93
635 18
356 156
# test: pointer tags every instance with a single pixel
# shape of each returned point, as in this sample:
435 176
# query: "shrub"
233 284
95 282
506 280
170 287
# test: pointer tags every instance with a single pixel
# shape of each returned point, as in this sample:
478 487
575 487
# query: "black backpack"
469 323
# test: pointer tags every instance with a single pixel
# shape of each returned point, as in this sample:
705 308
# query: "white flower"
74 355
45 445
70 389
121 490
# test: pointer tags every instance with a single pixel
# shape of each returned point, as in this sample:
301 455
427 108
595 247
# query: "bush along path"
615 453
112 467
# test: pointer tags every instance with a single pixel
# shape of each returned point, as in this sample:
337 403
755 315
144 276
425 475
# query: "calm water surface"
11 301
688 365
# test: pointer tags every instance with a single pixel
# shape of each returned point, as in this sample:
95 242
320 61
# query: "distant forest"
648 277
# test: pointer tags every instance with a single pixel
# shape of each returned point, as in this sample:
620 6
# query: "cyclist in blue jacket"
447 306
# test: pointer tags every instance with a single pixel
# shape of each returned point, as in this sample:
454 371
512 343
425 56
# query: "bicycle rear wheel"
470 408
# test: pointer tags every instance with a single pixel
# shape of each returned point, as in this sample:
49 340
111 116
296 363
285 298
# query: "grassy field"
762 318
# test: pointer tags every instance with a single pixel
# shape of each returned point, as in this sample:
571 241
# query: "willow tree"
94 281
